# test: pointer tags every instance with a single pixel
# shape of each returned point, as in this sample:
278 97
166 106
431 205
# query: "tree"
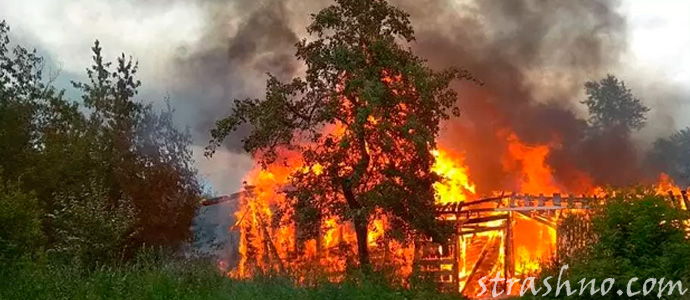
92 169
142 155
671 155
364 120
20 90
612 106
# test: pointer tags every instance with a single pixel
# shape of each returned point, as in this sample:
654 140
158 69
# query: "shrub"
90 229
635 236
20 220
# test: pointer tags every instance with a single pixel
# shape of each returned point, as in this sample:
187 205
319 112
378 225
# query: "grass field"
175 280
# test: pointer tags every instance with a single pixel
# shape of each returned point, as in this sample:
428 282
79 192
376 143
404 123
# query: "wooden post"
268 244
541 199
684 195
556 199
508 248
456 262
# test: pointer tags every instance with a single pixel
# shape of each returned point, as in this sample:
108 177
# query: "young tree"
672 156
612 106
142 155
364 119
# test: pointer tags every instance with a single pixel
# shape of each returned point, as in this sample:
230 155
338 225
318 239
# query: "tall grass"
176 279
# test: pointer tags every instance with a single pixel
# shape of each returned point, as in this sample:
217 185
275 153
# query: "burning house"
520 157
508 232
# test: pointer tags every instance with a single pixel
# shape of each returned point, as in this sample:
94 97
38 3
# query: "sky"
161 30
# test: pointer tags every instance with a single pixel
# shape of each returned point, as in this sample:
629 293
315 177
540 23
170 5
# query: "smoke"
244 41
533 57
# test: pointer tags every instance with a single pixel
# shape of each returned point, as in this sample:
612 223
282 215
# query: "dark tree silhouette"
612 106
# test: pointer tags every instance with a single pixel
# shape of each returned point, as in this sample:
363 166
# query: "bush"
90 230
20 220
635 236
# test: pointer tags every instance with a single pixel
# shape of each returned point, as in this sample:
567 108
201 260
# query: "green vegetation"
635 236
155 278
93 180
612 106
672 155
86 184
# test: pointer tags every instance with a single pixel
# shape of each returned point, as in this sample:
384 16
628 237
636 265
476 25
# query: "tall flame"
268 237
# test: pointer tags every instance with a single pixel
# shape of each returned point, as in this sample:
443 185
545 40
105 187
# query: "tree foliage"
636 236
95 162
20 220
612 106
142 154
672 156
365 119
91 230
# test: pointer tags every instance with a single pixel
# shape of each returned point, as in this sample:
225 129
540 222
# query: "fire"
499 237
529 164
268 242
456 184
535 248
265 248
666 185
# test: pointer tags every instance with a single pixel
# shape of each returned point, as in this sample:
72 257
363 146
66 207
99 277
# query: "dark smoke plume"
228 66
532 55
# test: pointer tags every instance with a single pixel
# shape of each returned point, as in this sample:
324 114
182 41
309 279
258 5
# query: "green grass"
175 280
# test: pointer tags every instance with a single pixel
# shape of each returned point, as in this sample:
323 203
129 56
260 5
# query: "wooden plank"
440 273
530 208
486 219
223 199
480 230
528 200
508 248
538 219
480 201
431 262
478 263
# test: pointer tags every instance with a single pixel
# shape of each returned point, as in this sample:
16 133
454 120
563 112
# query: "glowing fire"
504 240
456 185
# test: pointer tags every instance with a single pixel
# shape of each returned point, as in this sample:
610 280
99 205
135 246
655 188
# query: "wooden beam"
482 255
486 219
480 230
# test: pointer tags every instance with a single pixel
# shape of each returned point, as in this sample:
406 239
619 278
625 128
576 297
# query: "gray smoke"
229 65
533 57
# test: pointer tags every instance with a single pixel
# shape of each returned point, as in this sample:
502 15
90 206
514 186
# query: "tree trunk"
359 220
360 223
